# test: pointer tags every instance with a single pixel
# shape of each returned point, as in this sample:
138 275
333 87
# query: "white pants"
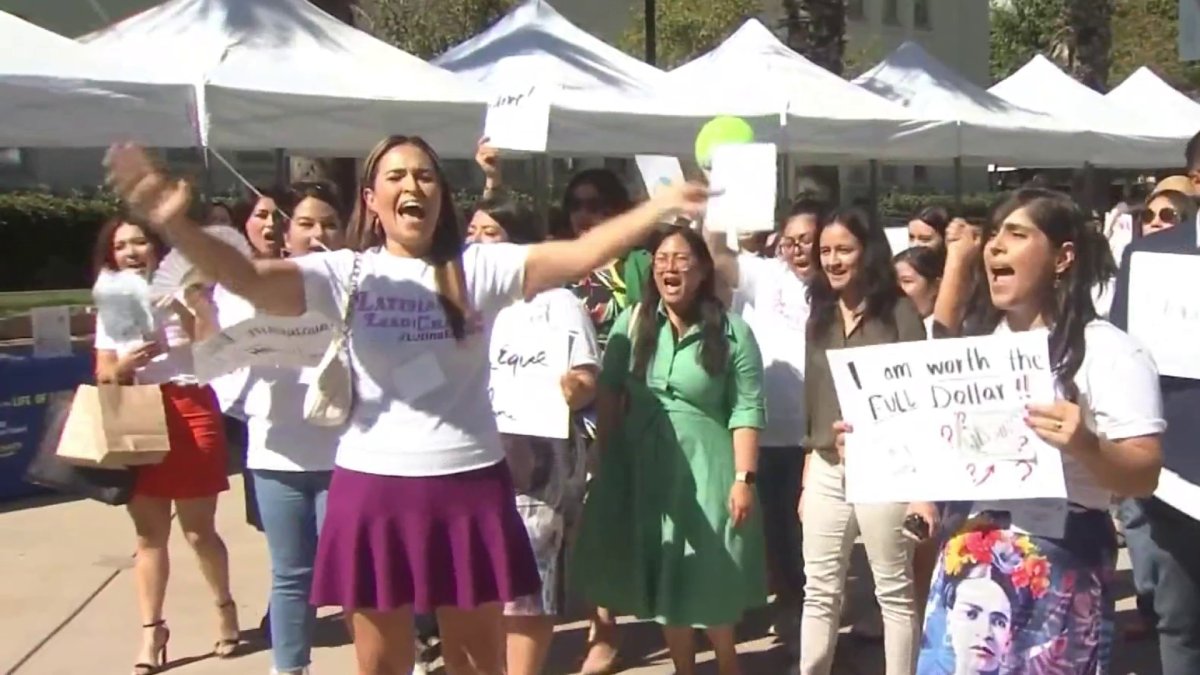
830 528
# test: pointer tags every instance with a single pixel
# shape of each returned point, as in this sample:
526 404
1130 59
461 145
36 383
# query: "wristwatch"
747 477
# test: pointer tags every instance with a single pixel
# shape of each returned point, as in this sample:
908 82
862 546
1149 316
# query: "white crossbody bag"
330 397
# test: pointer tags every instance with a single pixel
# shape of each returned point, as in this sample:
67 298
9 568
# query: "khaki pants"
830 528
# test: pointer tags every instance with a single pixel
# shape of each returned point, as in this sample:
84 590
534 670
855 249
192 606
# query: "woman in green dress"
671 530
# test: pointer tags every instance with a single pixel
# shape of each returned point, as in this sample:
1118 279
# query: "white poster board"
1164 310
658 171
519 120
897 238
943 420
746 177
51 331
527 365
290 342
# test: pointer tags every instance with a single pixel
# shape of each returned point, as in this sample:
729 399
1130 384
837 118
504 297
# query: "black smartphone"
916 527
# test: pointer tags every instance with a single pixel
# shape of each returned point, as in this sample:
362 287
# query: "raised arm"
725 260
273 286
552 264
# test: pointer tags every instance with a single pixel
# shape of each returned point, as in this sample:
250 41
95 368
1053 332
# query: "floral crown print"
1013 555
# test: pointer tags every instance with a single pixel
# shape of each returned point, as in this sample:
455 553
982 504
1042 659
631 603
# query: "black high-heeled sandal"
226 647
144 668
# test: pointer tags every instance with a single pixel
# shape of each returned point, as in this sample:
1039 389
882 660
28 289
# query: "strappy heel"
226 647
159 651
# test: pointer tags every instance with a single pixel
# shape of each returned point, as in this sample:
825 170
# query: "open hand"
741 502
150 194
840 429
1061 424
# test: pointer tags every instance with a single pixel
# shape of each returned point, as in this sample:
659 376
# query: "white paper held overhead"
747 178
519 120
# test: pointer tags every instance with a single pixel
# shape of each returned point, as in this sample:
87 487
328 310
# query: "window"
858 174
854 10
921 174
921 17
888 175
251 157
891 12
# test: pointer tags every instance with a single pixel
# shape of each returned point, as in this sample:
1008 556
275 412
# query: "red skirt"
197 464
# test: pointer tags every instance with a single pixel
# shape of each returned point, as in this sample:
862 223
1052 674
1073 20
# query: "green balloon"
721 131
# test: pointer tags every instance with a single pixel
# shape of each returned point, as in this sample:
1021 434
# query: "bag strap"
351 300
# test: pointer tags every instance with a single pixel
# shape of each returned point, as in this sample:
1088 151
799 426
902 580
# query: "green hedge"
906 205
47 239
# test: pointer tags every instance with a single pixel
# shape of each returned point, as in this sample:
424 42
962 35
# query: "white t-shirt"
271 400
776 309
173 365
421 403
1120 398
559 309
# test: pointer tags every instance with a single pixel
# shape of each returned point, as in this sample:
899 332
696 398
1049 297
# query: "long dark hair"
102 253
609 188
876 274
1062 221
936 217
289 199
926 261
707 309
445 251
519 221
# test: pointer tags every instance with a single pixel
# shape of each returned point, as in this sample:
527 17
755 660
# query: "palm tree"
1087 39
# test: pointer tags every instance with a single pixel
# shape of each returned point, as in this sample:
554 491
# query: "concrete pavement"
68 605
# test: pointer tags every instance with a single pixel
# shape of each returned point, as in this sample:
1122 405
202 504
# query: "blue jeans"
292 507
1177 597
1142 555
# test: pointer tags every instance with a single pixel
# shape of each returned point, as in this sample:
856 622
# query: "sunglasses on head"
1166 214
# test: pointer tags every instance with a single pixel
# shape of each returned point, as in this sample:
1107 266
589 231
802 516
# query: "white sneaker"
419 669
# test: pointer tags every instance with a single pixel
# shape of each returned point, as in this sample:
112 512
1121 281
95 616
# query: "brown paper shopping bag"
113 426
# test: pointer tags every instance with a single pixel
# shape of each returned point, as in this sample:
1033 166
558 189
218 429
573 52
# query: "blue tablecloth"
25 383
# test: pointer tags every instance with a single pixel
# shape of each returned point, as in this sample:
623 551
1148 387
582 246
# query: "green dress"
657 541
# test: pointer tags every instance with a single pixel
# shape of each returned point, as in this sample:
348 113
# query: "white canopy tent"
1127 139
1144 93
54 93
752 72
990 128
603 102
283 74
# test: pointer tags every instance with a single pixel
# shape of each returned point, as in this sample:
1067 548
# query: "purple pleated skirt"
392 541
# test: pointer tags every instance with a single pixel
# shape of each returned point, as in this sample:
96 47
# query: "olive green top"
820 398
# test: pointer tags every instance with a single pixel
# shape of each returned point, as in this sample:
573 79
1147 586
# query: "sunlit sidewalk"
69 609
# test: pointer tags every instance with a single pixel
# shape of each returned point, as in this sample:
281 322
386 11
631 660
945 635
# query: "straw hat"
1177 183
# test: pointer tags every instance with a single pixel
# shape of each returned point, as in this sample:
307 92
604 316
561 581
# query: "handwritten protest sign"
1164 310
291 342
527 366
747 176
944 420
519 120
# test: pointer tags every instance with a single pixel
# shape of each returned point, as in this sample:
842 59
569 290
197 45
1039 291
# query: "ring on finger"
1058 426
